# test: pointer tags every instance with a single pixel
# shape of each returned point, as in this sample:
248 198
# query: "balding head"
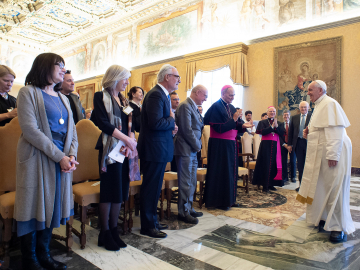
304 107
199 94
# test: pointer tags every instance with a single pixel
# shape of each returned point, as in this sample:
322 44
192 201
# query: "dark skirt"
222 173
114 184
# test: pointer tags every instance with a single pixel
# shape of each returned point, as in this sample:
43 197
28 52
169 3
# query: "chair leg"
69 239
125 221
162 197
137 204
247 183
6 237
168 198
201 194
83 215
131 206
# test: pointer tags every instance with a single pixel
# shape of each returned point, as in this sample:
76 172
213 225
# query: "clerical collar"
224 101
320 99
135 103
5 95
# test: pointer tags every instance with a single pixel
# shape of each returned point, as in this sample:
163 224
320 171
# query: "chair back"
9 134
246 143
87 156
256 144
205 141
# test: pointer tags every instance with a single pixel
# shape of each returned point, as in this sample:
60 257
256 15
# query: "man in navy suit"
296 141
156 147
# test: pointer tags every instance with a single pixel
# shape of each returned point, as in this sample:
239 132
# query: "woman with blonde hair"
113 117
7 102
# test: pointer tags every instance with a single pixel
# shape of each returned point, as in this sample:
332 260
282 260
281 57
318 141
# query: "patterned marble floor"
246 238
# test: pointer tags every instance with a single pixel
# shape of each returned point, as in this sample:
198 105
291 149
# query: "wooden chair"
200 177
246 142
245 171
256 145
129 205
9 135
205 142
170 180
85 191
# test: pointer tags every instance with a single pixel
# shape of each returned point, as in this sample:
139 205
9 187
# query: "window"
214 81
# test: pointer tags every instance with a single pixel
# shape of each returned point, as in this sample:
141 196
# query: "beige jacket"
36 158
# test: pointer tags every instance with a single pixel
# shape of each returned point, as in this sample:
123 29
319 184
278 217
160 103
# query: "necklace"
273 133
227 112
61 120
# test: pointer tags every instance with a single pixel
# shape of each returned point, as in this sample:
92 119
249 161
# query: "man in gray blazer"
187 143
67 88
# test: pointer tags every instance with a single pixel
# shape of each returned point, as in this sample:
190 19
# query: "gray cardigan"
36 158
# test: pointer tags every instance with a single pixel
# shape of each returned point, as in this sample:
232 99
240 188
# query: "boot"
28 251
109 242
43 251
116 237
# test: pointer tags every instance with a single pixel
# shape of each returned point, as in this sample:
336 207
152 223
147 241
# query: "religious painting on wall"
98 58
86 93
296 66
169 36
149 80
76 63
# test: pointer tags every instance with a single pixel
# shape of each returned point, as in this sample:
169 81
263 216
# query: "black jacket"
294 128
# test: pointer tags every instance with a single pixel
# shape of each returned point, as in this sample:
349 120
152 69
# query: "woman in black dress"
7 102
111 109
136 94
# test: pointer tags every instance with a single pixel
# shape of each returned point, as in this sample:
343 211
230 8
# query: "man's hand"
305 132
237 114
175 130
172 114
332 163
275 124
285 145
12 114
250 124
289 148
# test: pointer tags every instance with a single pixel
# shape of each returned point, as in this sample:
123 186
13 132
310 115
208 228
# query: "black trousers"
153 175
284 160
300 151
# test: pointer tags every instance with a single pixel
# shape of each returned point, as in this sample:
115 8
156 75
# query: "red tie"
287 132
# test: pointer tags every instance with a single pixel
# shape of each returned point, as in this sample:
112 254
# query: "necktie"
302 124
200 116
287 132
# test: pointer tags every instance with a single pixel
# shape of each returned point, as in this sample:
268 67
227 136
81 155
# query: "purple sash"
275 137
228 135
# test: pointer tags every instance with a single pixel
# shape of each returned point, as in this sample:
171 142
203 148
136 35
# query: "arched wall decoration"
234 56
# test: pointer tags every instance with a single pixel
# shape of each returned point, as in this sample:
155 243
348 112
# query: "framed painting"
149 80
169 35
86 94
296 66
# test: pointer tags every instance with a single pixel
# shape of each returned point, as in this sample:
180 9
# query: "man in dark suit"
296 141
175 101
285 151
187 144
156 146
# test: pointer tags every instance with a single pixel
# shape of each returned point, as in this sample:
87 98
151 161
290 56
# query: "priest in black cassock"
268 169
7 102
222 167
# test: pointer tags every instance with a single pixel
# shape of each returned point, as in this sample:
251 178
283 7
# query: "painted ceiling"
52 22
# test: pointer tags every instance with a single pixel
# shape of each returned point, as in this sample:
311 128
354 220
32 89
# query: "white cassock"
327 190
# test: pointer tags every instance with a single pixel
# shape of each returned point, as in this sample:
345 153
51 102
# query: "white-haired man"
156 146
326 180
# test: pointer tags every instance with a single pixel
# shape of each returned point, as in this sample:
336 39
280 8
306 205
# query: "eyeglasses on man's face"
61 65
177 76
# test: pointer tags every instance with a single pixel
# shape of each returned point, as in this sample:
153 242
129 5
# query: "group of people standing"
47 150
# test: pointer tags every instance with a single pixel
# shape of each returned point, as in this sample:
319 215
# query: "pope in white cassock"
325 185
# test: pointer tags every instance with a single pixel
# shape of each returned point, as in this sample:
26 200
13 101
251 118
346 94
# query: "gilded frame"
312 54
86 95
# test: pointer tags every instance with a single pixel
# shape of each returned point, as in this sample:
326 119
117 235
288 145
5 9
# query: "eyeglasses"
176 99
61 65
177 76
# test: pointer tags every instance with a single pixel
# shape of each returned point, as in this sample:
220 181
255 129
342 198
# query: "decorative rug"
258 199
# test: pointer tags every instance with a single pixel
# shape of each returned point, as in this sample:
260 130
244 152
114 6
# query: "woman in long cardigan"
46 156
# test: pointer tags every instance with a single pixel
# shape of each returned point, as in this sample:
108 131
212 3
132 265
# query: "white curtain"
214 81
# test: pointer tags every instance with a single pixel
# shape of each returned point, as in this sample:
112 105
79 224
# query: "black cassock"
222 166
266 167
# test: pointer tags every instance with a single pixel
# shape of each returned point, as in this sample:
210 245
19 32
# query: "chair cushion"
251 165
85 193
135 187
243 171
7 202
204 161
200 175
170 179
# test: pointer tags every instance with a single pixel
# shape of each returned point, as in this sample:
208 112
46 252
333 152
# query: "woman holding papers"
113 115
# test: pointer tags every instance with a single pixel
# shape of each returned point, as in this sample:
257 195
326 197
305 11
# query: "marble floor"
273 237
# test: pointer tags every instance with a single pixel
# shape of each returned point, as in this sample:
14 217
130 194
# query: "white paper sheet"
115 153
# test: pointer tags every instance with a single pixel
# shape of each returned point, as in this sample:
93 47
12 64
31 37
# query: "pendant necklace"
227 112
61 120
273 133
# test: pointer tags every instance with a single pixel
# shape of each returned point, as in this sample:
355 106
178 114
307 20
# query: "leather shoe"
337 237
189 219
321 226
235 205
196 214
162 226
154 233
297 189
273 188
293 180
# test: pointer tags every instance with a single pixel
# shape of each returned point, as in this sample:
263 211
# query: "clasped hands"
175 130
68 164
130 150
